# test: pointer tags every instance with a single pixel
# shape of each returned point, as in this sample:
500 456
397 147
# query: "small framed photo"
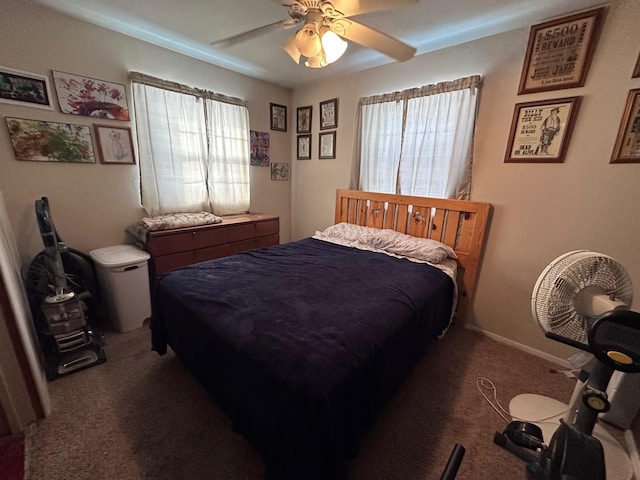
24 89
303 123
41 141
115 145
327 145
559 52
627 147
636 70
540 131
279 171
91 97
304 147
278 117
329 114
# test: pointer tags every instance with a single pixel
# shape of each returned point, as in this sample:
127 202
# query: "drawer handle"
193 235
195 253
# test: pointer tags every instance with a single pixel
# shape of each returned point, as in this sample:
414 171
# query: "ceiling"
190 26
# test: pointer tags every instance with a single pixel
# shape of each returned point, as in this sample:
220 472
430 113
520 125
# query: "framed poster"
303 123
115 145
40 141
327 145
91 97
559 52
540 131
278 117
329 114
304 147
259 153
279 171
24 89
627 147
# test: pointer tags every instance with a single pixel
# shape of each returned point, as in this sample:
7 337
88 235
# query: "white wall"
540 210
92 204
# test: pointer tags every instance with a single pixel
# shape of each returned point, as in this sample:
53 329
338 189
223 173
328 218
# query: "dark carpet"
140 415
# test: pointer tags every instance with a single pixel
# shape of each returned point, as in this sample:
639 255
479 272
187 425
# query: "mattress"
301 344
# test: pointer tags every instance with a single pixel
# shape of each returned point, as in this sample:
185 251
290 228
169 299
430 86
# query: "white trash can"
123 274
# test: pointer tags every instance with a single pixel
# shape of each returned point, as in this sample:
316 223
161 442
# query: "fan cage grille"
554 296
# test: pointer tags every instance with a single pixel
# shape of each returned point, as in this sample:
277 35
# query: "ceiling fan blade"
357 7
370 38
248 35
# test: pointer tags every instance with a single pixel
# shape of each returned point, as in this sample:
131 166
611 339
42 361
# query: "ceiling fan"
326 26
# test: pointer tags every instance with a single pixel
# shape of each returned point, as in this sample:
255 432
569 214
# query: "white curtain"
193 148
382 127
437 144
430 129
172 145
229 148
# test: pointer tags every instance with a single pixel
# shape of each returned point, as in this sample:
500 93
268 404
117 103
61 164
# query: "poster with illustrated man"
540 130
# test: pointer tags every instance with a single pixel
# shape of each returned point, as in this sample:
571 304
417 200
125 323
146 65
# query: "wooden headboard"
461 224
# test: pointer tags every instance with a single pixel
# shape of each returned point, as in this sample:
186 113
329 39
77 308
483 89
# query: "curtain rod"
145 79
424 91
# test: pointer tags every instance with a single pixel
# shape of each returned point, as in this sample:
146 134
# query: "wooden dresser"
175 248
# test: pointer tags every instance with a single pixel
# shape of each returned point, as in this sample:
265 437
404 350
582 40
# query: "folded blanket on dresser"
169 221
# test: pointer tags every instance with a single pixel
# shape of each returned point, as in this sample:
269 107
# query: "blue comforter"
301 343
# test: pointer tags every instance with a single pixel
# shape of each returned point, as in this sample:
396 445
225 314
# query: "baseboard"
563 363
632 450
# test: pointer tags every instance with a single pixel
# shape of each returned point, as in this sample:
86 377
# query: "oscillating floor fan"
581 299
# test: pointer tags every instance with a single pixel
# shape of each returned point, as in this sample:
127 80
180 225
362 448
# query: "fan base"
531 407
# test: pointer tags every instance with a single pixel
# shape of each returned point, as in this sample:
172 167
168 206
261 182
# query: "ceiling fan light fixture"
317 61
290 47
333 46
308 40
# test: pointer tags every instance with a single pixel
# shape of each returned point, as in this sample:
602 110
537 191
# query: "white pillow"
388 241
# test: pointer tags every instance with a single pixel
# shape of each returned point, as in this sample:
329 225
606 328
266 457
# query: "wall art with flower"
279 171
90 97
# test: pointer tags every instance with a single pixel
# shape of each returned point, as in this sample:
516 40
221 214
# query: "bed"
301 344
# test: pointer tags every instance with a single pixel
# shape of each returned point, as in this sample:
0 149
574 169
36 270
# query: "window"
418 141
193 148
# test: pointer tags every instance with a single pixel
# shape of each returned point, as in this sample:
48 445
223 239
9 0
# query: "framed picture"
329 114
278 117
303 123
540 131
627 147
40 141
90 97
115 145
259 156
279 171
304 147
636 70
560 51
24 89
327 145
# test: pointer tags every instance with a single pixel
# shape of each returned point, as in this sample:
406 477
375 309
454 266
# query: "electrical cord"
485 385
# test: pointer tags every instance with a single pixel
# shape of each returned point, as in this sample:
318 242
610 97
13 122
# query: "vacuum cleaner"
61 287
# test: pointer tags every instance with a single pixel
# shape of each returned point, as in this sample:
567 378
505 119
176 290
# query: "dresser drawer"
250 244
253 230
165 263
187 240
